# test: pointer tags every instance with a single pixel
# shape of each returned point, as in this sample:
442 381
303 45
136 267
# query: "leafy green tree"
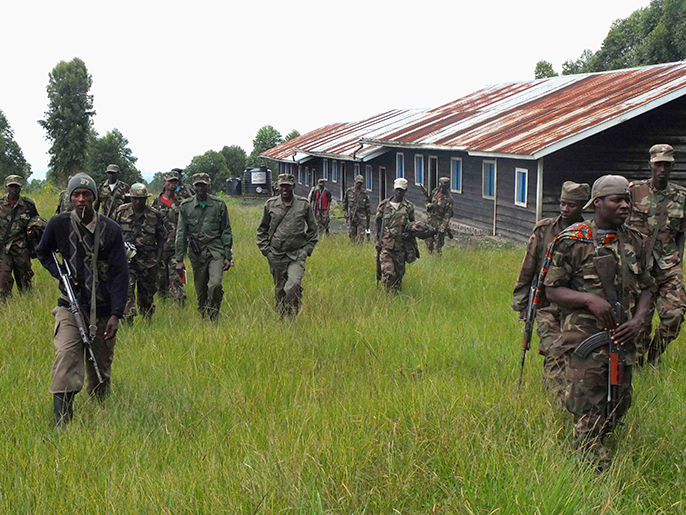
543 70
236 159
666 43
212 163
267 137
582 65
291 135
68 119
157 183
112 148
12 160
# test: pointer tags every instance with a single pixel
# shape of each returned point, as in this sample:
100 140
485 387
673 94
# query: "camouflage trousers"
208 272
169 282
586 393
142 281
288 276
322 217
548 322
356 231
435 243
392 269
16 262
670 302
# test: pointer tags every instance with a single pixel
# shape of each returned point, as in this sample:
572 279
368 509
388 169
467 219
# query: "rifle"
65 278
528 328
448 232
6 237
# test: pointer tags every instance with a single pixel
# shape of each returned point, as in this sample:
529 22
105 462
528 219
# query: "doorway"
433 173
382 183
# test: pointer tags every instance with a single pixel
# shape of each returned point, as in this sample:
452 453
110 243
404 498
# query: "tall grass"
366 403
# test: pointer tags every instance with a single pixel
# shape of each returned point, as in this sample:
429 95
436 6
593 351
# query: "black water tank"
233 186
257 182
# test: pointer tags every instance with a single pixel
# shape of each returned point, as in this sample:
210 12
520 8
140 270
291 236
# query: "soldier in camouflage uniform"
111 193
357 210
286 236
572 201
659 213
440 211
573 283
392 218
64 204
167 204
205 228
18 217
141 226
183 191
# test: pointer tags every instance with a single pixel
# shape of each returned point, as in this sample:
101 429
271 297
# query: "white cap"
400 183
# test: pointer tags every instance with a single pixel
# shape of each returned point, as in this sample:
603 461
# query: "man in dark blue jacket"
74 235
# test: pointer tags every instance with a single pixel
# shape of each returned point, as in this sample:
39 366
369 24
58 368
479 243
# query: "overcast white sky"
180 78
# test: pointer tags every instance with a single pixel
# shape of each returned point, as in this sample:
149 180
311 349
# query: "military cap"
172 176
201 178
177 170
575 191
139 190
286 178
608 185
359 178
321 181
13 179
112 169
443 180
401 183
661 152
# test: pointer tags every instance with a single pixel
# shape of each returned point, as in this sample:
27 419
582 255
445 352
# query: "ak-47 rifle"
448 232
65 277
528 328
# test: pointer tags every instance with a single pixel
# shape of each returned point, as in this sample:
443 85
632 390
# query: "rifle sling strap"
276 225
6 236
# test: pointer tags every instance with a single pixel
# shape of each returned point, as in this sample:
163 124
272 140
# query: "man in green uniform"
583 289
572 201
183 190
142 227
111 193
659 213
204 227
18 217
357 210
392 218
167 204
440 210
286 236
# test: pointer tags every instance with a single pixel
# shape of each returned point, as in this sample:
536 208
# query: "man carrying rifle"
572 200
92 247
439 208
595 272
357 210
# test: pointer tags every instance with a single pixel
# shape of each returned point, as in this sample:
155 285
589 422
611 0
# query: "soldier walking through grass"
204 229
440 211
92 247
320 198
111 193
286 236
659 213
357 210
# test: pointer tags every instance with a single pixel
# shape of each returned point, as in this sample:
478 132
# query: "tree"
68 119
543 70
667 41
236 159
157 182
267 137
213 164
582 65
294 134
112 148
12 160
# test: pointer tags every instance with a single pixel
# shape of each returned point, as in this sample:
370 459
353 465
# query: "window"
368 177
325 169
456 175
334 171
300 174
521 186
488 179
357 170
418 169
307 176
399 165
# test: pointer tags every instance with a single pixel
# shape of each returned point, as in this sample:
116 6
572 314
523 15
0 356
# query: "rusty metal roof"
525 119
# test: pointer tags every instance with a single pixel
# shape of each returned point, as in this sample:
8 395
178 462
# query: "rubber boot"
63 409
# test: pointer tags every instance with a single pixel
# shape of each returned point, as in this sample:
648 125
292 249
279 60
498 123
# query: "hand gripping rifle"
65 278
528 328
429 207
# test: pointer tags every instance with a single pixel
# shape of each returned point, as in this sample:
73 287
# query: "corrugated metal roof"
526 119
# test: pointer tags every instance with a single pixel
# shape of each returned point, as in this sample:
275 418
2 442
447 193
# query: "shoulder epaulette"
544 222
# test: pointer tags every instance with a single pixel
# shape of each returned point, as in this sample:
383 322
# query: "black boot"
63 408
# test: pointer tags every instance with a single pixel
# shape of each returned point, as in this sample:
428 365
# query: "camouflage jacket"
144 230
394 223
440 209
184 191
645 219
214 235
64 203
539 241
26 215
111 200
357 206
170 220
572 266
287 229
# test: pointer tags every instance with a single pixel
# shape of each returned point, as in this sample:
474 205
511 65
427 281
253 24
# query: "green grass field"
367 403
